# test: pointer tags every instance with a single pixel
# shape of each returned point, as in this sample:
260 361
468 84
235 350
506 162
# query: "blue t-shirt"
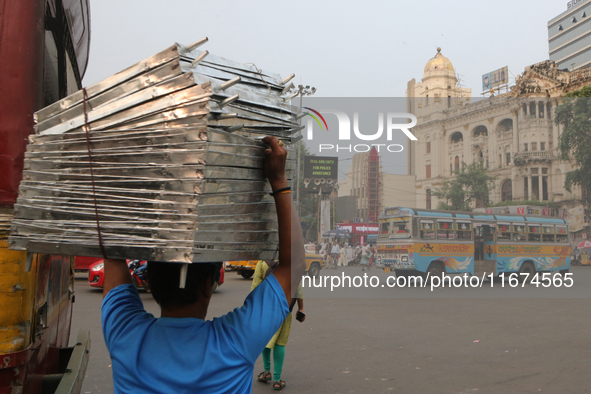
189 355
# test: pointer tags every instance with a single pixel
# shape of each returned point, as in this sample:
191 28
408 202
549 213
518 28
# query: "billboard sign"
321 167
495 79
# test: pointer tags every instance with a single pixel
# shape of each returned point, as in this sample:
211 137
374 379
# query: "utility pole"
302 91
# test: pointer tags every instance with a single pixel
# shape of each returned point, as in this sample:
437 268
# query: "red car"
82 264
96 275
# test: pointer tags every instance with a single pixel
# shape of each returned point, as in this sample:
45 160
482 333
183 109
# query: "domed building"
513 134
439 81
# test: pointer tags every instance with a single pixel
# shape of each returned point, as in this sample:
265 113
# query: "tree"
574 144
472 183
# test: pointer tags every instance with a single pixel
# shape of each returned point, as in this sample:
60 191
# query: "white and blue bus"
421 241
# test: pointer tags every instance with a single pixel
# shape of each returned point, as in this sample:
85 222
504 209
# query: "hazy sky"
344 49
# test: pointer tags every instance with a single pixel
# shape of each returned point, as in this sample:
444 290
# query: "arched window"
457 137
505 125
457 163
428 201
480 130
507 190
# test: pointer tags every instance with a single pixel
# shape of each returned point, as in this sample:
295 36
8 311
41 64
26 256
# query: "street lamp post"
302 91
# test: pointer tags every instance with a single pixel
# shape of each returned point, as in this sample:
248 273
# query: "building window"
507 191
560 28
457 163
508 158
428 170
428 201
542 146
550 145
457 137
525 147
480 130
574 20
534 146
429 147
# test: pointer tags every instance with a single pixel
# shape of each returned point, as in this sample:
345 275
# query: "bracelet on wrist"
279 191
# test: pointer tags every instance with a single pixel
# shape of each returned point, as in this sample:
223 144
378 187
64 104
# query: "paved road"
424 343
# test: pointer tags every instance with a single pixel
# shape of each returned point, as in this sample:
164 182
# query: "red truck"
44 48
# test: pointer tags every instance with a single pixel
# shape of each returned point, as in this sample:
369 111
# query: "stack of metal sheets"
164 158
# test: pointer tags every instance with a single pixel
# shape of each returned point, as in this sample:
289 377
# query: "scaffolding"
373 184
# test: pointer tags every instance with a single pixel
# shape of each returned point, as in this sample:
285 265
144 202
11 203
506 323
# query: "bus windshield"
395 227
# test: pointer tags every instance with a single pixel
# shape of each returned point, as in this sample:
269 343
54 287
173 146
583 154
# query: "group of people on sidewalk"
341 255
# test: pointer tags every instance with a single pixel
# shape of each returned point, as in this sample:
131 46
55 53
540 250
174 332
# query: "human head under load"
164 279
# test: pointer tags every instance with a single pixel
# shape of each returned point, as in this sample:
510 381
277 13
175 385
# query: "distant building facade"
569 36
373 189
512 134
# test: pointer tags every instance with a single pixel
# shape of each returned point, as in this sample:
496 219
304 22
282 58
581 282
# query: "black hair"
164 278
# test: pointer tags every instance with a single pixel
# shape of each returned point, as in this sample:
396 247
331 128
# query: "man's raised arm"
116 273
292 262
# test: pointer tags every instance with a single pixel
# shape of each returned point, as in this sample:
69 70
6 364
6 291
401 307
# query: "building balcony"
481 140
528 157
506 135
458 146
535 123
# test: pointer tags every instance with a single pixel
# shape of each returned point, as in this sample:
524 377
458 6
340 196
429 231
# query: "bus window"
464 231
445 230
384 228
561 234
518 233
401 229
548 233
533 233
504 232
489 233
427 230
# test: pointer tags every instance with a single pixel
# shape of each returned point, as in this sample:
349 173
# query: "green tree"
472 183
574 144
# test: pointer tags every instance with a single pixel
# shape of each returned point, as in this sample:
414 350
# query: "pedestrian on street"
181 352
343 257
372 257
365 255
336 250
328 255
279 341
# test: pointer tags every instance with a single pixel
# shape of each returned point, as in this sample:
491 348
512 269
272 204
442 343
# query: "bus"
423 241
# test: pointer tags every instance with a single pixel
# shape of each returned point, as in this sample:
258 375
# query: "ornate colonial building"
512 134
